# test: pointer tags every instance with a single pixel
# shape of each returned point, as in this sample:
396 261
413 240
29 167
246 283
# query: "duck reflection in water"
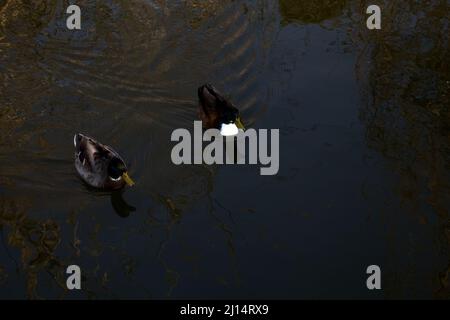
121 207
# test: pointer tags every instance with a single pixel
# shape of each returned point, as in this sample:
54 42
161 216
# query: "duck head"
117 170
227 116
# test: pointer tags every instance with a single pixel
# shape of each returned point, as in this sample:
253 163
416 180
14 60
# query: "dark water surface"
364 137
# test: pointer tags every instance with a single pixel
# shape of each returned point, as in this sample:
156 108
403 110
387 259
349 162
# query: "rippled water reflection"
364 149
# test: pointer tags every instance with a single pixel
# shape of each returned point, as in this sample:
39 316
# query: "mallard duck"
217 112
99 165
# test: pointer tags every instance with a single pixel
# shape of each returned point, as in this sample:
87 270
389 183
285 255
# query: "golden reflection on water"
136 51
36 241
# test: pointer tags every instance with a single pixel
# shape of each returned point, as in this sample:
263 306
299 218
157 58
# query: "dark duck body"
216 111
99 165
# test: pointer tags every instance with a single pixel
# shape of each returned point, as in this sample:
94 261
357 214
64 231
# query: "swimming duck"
217 112
99 165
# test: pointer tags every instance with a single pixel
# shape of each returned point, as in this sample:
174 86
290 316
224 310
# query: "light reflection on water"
364 150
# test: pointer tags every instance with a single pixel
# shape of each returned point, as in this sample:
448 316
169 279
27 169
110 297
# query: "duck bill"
127 179
239 124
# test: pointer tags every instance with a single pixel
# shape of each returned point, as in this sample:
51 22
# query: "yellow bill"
239 124
127 179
